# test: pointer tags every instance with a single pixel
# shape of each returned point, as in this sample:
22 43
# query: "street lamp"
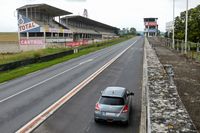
186 26
173 23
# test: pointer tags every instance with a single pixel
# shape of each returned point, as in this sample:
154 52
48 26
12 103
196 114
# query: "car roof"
114 91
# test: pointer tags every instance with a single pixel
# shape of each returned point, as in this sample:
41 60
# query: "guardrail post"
182 44
171 44
177 45
166 42
75 50
188 46
198 47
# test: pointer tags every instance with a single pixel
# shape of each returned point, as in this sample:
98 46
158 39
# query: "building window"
48 34
55 34
32 34
39 34
65 35
23 34
60 34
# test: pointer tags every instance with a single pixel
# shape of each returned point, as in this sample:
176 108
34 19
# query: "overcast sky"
118 13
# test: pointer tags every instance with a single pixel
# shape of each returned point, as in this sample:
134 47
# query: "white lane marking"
86 61
36 121
9 97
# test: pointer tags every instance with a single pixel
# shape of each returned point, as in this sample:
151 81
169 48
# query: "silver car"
113 105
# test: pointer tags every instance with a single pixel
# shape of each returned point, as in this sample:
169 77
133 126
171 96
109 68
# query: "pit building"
151 27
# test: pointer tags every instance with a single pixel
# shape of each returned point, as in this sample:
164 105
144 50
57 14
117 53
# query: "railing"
190 49
150 30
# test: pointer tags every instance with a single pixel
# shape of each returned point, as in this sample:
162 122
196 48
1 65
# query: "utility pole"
173 42
186 26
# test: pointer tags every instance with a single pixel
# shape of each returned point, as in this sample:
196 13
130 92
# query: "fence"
190 49
9 47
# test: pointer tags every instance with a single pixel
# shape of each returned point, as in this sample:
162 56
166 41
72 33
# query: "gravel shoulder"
187 78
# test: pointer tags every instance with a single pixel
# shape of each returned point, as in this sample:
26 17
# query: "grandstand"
39 29
87 29
42 25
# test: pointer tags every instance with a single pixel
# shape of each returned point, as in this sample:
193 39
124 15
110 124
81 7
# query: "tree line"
127 31
193 25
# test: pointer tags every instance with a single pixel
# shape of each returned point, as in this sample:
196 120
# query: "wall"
9 47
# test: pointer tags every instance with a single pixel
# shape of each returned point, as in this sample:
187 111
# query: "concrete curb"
143 120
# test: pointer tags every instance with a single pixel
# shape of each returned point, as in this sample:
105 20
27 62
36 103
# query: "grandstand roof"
79 30
85 20
150 19
53 11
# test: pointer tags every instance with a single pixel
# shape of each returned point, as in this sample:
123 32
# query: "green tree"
133 31
193 25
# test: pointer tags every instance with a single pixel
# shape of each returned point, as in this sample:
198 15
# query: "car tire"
96 120
125 123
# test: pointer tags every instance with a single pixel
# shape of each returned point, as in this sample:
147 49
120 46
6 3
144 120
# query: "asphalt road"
76 115
24 98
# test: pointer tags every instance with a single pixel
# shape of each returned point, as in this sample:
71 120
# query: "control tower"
151 27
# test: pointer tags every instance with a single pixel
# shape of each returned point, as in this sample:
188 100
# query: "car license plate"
103 113
110 114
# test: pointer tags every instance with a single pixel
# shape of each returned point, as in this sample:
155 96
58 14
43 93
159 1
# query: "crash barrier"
13 65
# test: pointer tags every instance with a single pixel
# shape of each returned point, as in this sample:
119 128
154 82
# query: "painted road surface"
76 115
24 98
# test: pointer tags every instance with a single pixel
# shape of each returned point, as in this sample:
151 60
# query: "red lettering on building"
77 43
31 42
151 24
27 26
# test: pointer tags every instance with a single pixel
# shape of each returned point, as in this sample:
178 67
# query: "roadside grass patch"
7 58
8 37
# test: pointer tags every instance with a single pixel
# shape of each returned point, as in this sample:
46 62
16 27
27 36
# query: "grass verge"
193 55
18 72
7 58
8 37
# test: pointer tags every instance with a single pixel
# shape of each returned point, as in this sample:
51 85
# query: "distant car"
113 105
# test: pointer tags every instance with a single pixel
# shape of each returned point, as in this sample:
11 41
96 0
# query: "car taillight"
97 107
125 109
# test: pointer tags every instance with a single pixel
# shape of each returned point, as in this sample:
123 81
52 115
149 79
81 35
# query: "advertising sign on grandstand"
67 31
27 25
151 24
77 43
31 41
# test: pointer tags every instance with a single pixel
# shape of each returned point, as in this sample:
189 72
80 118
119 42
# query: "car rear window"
111 101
